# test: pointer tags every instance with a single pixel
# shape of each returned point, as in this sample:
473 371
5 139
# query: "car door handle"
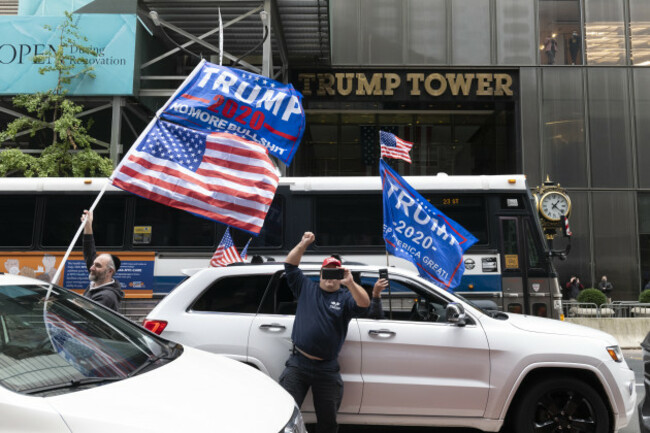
272 327
384 333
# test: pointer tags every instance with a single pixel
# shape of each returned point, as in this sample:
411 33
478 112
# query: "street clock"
553 205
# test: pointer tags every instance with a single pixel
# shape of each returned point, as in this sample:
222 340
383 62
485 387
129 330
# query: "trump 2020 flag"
226 252
219 176
416 231
216 98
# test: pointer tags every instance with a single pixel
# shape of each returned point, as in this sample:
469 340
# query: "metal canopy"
298 30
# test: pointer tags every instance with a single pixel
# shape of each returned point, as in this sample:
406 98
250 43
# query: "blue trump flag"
216 98
416 231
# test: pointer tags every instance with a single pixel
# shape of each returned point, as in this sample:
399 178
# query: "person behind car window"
320 327
101 269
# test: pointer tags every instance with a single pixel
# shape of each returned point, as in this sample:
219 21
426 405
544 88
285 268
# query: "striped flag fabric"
394 147
219 176
226 252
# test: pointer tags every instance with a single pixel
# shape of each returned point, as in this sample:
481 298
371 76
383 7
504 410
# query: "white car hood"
551 326
197 392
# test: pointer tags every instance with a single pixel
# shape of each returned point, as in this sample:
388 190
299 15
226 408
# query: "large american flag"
219 176
226 252
394 147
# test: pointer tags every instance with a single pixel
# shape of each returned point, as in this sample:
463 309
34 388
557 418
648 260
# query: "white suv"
436 359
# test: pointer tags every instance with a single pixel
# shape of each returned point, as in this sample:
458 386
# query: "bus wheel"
561 405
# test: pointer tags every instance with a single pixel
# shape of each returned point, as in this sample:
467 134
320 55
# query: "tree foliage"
69 152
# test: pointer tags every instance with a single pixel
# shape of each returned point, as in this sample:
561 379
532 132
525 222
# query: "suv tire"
561 404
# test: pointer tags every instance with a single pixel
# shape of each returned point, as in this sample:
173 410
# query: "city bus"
511 263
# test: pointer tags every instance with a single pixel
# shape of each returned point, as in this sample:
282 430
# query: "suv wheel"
561 405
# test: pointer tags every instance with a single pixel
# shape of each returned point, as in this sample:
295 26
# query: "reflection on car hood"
552 326
198 392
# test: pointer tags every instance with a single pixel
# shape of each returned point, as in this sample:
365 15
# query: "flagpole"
76 236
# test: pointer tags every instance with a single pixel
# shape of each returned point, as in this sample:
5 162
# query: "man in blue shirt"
319 330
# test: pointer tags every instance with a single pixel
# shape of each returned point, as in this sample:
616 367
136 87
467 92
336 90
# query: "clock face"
553 205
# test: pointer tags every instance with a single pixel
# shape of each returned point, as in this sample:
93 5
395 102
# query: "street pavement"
632 357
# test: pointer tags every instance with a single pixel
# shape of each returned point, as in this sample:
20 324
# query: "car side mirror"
455 314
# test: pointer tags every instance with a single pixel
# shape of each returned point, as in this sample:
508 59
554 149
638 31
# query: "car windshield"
66 343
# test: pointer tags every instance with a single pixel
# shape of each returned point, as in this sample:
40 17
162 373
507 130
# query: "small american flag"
244 252
226 252
394 147
218 176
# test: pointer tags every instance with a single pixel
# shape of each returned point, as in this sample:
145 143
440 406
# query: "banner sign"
112 36
135 274
416 231
216 98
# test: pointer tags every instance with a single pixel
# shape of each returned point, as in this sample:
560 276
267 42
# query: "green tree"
53 109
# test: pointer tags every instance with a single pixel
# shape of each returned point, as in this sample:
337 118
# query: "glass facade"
580 114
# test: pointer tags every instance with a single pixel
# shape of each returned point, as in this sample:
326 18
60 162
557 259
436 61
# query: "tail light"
155 326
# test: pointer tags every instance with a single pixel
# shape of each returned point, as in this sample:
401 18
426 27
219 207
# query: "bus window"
18 216
61 220
515 308
510 242
535 260
348 220
540 310
172 227
272 232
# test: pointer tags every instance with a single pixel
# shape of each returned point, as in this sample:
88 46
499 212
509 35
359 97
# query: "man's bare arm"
295 255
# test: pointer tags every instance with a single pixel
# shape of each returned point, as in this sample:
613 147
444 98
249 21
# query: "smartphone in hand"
332 273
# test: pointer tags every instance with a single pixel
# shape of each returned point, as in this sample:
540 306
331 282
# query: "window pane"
605 32
173 227
516 32
530 125
18 221
640 32
426 32
344 34
560 35
642 124
471 32
563 146
535 258
234 295
382 37
510 242
609 135
339 222
468 211
615 242
62 219
271 234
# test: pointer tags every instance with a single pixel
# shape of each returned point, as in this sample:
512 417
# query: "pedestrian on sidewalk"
606 287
